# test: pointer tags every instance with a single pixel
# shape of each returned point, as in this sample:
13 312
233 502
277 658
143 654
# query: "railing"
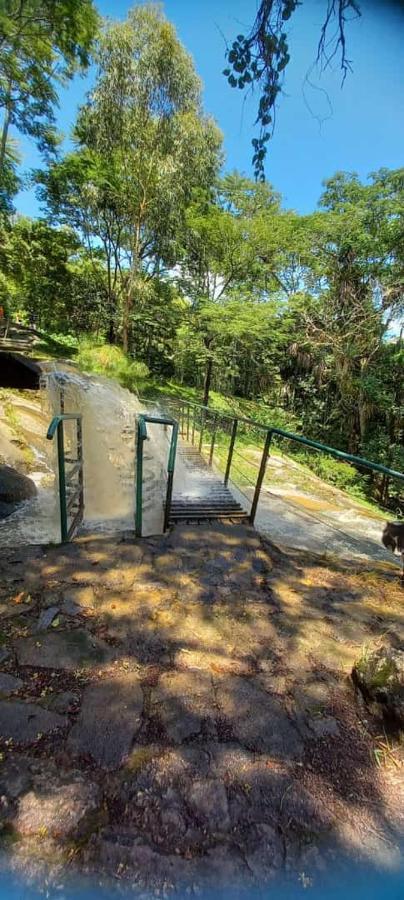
197 421
141 437
71 493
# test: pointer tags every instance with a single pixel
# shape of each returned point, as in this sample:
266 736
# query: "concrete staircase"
202 494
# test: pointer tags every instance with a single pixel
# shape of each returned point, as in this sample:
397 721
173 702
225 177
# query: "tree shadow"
247 754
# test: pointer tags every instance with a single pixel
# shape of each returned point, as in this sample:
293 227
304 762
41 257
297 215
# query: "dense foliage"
152 262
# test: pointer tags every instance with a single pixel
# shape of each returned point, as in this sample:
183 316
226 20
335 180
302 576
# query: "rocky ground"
178 713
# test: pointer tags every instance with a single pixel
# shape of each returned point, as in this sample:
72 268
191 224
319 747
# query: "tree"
82 191
234 343
353 251
48 277
232 242
158 150
261 58
42 44
9 180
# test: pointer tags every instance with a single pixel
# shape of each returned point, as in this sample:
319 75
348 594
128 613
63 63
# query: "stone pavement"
177 713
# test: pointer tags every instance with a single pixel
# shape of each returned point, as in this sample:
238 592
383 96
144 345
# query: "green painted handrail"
56 427
142 436
269 431
56 422
300 439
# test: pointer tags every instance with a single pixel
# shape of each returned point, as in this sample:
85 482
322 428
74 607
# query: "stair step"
212 509
205 497
183 504
193 515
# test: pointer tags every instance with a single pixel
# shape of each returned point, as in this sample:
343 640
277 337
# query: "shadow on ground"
177 713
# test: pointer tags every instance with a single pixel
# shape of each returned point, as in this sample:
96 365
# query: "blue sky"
363 131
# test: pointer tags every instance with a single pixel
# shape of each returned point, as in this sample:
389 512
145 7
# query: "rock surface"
9 684
46 617
257 719
380 676
14 488
59 811
24 722
208 800
183 704
15 777
109 720
61 702
199 732
62 650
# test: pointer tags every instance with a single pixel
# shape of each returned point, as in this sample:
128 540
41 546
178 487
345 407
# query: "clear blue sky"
364 130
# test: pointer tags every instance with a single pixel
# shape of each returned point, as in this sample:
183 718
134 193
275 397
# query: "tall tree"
42 44
9 179
48 277
83 191
144 121
233 240
353 250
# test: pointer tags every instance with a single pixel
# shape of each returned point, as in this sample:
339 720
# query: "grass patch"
109 360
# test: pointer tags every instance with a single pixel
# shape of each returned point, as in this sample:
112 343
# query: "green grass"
54 346
232 406
111 361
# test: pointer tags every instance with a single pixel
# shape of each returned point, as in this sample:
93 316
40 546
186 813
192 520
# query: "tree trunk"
207 382
4 136
127 306
125 333
111 331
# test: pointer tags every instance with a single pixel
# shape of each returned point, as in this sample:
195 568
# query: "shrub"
341 474
109 360
68 341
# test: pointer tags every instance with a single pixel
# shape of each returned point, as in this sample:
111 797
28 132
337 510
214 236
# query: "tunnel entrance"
19 372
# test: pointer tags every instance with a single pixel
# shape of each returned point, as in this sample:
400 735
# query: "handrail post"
141 437
231 449
139 479
261 475
57 427
212 443
188 420
170 475
201 431
80 459
193 426
62 483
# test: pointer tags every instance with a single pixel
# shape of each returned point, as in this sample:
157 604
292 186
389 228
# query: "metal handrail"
143 436
65 504
56 422
300 439
270 431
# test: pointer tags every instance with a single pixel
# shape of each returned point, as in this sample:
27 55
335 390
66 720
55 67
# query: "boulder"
380 677
14 488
